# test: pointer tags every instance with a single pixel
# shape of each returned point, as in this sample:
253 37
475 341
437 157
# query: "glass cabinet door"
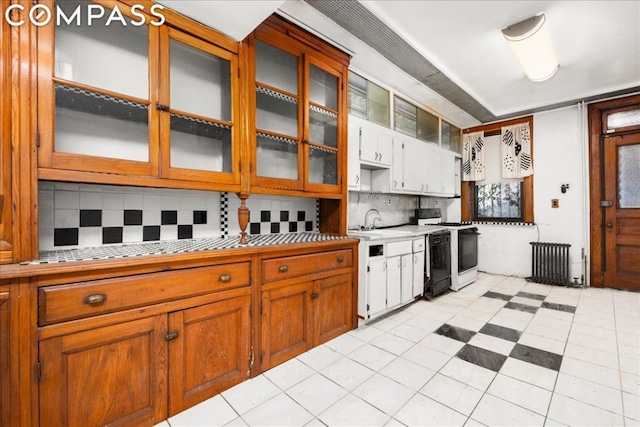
100 93
196 109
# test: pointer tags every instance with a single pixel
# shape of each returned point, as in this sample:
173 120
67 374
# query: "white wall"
558 159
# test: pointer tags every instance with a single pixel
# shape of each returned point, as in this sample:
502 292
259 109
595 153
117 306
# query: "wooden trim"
6 232
596 115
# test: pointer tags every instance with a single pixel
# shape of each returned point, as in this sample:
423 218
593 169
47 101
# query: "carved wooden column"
243 217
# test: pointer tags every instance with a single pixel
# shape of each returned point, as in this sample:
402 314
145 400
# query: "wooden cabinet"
300 110
107 358
5 370
305 306
134 104
6 232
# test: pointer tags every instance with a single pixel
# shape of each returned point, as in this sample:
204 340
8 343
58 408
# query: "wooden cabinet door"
287 323
211 351
5 386
115 375
332 307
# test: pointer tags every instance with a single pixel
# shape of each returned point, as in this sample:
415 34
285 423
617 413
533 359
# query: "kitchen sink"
387 232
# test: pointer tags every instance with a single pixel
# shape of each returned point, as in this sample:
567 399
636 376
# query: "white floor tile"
347 373
424 322
353 411
409 332
590 372
442 344
608 345
571 412
631 406
586 354
429 358
547 331
162 424
466 322
482 316
385 324
630 383
550 322
423 411
392 343
542 343
529 373
319 357
366 333
373 357
589 392
407 373
238 422
523 394
345 344
214 411
251 393
630 365
492 343
555 314
468 373
509 322
487 305
278 411
384 393
527 301
452 393
289 373
493 411
316 393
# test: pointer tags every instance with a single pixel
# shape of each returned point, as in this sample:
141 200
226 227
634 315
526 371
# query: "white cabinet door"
368 145
376 286
396 166
394 281
353 161
418 274
407 278
448 174
433 170
413 166
385 149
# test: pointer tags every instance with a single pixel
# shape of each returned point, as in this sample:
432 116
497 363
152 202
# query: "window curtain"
473 156
516 151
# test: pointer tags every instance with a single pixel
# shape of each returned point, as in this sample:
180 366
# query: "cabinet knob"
380 159
357 179
283 268
395 183
340 259
224 278
95 299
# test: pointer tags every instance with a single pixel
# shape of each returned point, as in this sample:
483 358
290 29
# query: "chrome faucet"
373 223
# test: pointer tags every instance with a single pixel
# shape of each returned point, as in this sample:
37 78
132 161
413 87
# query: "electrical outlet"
389 201
436 203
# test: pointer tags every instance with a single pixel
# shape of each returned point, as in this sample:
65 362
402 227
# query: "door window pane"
200 82
112 57
357 96
196 144
276 112
378 104
629 176
323 166
623 119
323 127
323 88
404 115
277 157
428 126
276 68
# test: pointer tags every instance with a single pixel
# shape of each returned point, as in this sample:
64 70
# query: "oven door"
467 249
440 256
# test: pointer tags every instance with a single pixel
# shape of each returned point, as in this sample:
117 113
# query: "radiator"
550 263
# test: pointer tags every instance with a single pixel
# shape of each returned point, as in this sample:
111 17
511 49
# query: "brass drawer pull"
340 259
95 299
283 268
224 278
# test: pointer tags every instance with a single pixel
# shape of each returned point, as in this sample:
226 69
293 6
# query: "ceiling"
451 55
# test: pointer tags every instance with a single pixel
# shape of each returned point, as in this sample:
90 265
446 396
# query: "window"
451 137
414 121
495 198
499 201
368 100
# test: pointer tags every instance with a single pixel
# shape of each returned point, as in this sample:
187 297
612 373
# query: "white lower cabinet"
418 274
376 279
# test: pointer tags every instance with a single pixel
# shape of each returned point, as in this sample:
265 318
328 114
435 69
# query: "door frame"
596 114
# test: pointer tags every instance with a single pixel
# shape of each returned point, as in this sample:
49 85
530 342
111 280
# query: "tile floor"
502 351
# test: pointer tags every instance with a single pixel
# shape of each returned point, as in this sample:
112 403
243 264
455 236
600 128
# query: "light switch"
555 203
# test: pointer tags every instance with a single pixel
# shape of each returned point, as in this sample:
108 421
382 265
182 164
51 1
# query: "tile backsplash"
87 215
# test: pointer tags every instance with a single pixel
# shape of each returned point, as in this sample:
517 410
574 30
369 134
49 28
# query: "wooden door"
286 323
622 218
332 309
114 375
210 353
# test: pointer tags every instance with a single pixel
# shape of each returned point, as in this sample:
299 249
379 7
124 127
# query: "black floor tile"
521 307
481 357
536 356
456 333
559 307
497 295
501 332
531 296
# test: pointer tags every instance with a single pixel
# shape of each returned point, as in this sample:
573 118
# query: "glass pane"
323 166
277 68
357 96
200 82
428 126
456 139
277 157
450 137
629 176
200 145
98 125
323 88
323 127
445 135
276 112
112 57
500 200
378 104
623 119
404 115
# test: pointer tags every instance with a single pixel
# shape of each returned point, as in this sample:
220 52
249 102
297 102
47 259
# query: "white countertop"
400 232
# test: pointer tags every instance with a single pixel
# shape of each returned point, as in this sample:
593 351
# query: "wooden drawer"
300 265
77 300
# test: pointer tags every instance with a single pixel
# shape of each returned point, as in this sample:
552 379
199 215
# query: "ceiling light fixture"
532 46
